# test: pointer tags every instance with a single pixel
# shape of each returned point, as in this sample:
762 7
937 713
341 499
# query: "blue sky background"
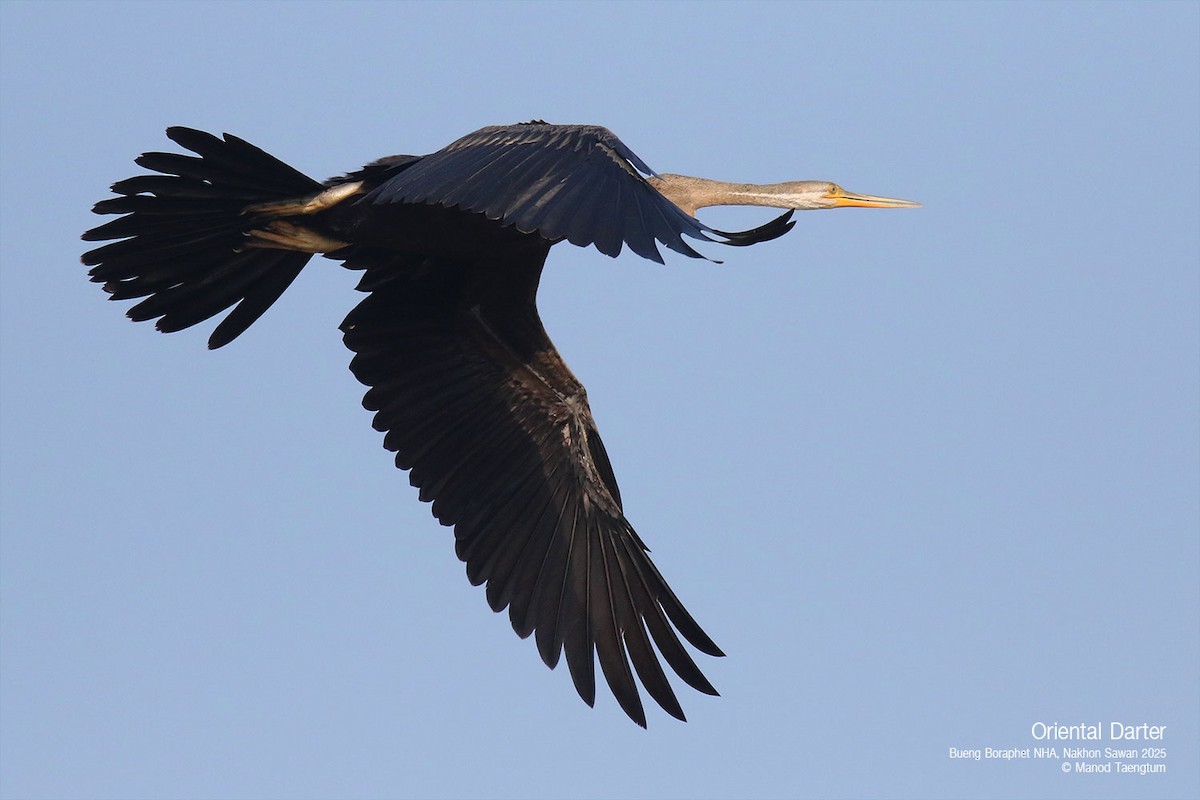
928 477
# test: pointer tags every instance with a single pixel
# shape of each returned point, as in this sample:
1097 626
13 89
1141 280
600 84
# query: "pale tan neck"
692 193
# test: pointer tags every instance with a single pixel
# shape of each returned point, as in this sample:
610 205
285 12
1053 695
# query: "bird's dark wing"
496 432
574 182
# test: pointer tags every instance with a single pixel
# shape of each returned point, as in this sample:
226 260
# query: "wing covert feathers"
578 183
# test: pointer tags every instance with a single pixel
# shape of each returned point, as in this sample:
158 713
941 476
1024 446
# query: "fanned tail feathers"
183 235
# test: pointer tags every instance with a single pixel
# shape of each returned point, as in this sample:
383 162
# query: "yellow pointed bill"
843 199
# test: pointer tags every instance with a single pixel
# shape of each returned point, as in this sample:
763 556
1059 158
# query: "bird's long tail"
196 238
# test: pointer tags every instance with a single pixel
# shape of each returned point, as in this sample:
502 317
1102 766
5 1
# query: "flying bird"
466 387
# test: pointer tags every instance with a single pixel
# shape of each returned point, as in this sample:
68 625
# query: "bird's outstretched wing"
574 182
496 432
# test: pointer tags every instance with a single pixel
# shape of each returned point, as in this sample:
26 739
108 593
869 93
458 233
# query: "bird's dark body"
464 382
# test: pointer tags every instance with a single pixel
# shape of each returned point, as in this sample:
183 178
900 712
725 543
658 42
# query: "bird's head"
820 194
